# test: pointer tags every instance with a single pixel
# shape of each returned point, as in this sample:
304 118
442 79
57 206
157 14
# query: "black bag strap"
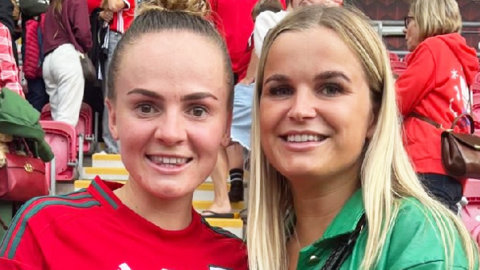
344 248
426 119
439 126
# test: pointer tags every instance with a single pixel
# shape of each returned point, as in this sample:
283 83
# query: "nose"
171 130
303 105
404 30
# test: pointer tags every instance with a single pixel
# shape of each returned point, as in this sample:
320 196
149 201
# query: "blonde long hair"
385 157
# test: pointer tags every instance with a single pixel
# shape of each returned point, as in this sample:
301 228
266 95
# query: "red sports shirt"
91 229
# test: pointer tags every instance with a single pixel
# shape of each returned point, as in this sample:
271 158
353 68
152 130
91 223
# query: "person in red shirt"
8 69
435 85
172 119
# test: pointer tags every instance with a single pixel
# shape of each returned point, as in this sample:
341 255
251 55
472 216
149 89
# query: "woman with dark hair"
66 36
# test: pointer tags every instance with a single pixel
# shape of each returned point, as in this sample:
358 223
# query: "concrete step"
107 161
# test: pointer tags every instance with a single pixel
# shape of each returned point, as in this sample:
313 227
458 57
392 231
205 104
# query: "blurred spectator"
33 56
434 89
8 67
123 13
67 35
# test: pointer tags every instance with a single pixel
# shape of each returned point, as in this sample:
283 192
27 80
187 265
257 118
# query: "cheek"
268 116
353 122
207 139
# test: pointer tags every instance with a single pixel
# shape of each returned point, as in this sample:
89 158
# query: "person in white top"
268 19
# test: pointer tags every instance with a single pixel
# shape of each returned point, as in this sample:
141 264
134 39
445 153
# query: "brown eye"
198 111
280 91
145 108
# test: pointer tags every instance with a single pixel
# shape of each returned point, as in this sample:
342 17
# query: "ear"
112 119
226 136
372 126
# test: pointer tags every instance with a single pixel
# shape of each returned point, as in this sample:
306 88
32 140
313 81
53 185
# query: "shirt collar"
346 220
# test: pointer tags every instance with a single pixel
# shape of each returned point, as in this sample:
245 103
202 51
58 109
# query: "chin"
169 191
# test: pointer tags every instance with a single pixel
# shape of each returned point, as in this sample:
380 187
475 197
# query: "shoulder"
49 208
223 237
415 239
221 233
42 215
3 27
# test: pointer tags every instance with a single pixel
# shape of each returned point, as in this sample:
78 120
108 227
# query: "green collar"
346 220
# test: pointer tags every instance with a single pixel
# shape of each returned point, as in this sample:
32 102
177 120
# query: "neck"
316 206
167 214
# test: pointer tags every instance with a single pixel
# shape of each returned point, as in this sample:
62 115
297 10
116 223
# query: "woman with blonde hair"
331 184
434 90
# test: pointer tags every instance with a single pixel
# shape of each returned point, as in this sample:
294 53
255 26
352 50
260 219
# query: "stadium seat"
475 88
83 127
46 112
406 57
63 140
476 111
393 57
398 67
471 212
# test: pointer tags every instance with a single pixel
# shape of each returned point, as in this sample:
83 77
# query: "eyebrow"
145 92
198 96
332 74
189 97
322 76
277 77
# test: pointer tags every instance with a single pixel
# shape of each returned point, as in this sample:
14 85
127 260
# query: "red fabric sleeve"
20 249
417 80
81 25
6 264
93 4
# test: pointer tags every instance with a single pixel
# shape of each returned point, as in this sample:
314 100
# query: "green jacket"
18 118
412 243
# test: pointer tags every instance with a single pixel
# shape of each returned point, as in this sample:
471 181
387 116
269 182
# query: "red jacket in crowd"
436 85
234 21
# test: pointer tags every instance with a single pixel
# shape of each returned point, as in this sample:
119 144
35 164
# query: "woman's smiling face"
170 112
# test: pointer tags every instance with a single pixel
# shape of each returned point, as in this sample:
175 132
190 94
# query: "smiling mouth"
169 161
301 138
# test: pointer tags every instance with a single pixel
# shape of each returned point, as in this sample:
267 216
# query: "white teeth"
167 160
304 138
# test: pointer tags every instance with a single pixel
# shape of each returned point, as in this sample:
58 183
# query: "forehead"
171 59
303 53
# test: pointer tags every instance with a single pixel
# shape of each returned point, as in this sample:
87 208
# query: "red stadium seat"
475 88
63 140
83 127
393 57
471 212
